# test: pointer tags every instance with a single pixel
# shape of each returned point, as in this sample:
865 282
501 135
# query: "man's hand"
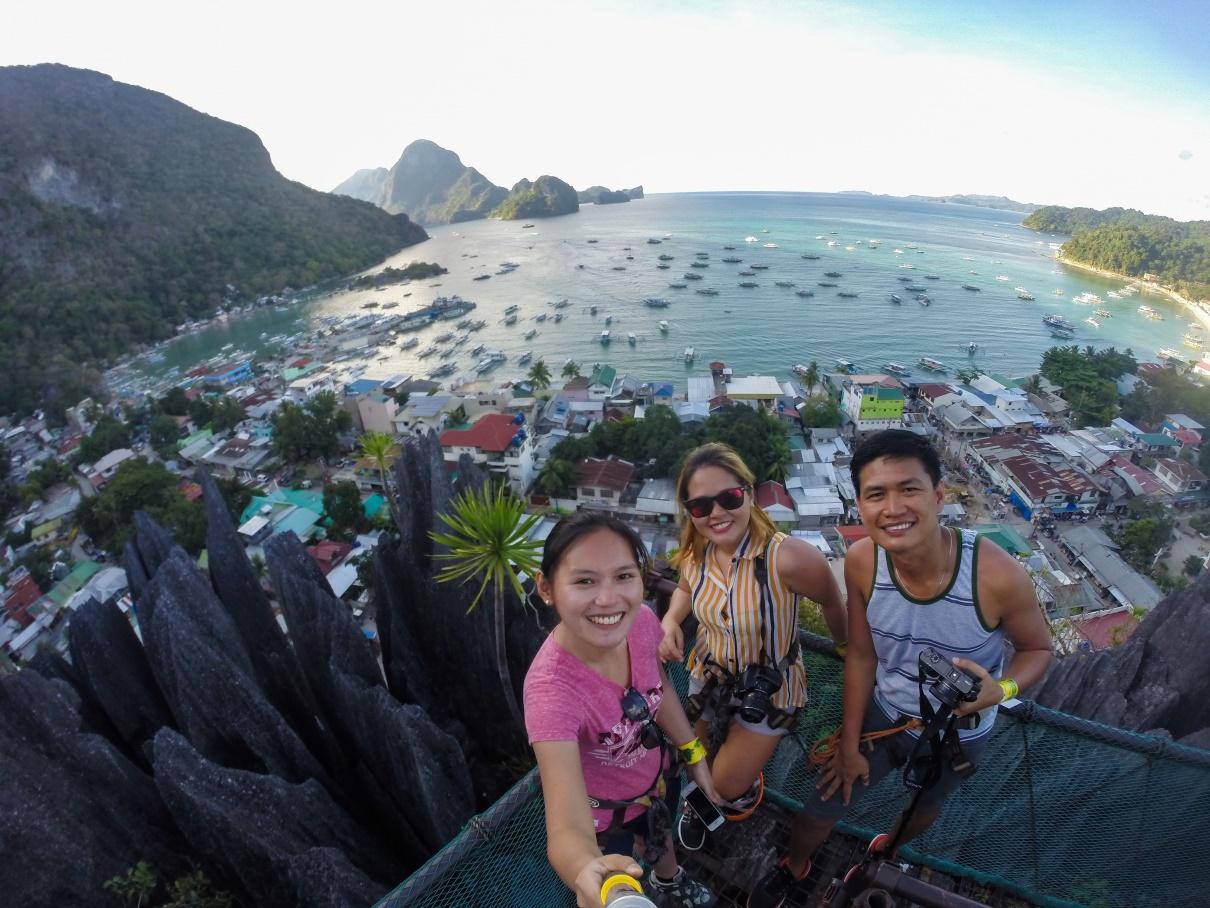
590 880
841 773
672 647
990 692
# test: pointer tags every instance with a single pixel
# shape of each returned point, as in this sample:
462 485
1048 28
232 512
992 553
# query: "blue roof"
362 386
662 389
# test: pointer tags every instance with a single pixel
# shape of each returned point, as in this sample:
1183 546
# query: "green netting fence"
1061 812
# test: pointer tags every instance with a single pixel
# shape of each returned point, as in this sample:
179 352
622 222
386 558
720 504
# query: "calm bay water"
763 329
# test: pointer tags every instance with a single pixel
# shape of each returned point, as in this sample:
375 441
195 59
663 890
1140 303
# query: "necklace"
942 576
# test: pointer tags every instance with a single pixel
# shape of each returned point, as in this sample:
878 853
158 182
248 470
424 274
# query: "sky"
1076 102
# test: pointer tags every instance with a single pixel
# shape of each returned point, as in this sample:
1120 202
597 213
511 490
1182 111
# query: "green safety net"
1061 812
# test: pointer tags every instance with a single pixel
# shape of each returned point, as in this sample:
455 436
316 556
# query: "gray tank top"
952 624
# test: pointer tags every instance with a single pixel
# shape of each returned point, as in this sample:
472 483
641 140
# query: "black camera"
945 681
756 684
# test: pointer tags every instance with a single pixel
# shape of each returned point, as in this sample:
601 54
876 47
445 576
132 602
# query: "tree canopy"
311 430
1088 378
142 486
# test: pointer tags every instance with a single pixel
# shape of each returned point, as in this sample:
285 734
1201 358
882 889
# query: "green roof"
603 376
301 522
289 375
193 439
1005 537
300 498
73 582
1158 438
373 505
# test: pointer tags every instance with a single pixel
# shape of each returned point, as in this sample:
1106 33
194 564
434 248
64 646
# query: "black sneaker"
690 830
776 887
682 891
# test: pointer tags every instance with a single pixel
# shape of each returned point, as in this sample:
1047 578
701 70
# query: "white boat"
751 239
605 336
511 309
1103 313
1002 277
1170 355
971 347
510 319
845 365
531 333
771 246
896 368
664 326
689 354
933 365
409 343
631 338
1092 321
525 357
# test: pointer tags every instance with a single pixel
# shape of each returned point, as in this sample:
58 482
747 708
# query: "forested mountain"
1131 242
428 183
545 197
124 212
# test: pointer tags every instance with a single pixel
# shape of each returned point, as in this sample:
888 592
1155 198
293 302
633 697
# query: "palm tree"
1033 384
571 370
811 379
488 537
378 447
539 374
556 477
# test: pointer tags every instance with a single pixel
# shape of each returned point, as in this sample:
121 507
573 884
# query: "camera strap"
658 816
940 732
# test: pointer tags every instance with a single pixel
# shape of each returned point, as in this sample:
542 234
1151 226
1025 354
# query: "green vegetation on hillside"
124 213
1131 242
414 272
545 197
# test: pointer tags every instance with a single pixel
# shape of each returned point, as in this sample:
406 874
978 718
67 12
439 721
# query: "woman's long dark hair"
571 529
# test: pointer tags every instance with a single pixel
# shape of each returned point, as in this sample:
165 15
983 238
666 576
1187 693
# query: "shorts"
888 754
621 840
760 728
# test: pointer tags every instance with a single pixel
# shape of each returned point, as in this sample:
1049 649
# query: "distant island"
1173 254
428 183
125 214
432 186
599 195
414 272
1002 203
546 197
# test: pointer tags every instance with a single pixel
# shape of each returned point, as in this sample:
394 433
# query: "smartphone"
701 805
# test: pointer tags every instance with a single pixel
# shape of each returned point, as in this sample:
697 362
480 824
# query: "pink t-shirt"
565 700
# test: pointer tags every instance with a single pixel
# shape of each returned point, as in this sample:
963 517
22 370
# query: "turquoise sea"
765 329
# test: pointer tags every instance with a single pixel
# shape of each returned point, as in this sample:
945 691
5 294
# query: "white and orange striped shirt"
729 617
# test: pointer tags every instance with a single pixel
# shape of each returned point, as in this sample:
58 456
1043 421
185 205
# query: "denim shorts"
889 754
760 728
621 840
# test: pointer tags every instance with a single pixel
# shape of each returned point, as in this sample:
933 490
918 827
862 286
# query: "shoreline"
1197 312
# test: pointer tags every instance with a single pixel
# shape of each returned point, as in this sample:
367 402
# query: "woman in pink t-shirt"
599 712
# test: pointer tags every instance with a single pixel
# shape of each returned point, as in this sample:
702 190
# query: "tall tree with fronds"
378 447
539 374
811 379
488 540
571 369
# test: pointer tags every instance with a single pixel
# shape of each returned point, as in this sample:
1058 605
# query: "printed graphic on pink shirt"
621 745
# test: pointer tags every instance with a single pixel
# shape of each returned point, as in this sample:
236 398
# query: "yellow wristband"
1010 688
619 879
693 752
842 649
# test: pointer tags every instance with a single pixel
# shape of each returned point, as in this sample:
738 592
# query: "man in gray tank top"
913 584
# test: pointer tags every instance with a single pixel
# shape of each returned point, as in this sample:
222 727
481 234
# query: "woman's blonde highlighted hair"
725 457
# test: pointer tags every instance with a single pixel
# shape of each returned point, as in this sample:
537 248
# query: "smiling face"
899 504
722 527
597 589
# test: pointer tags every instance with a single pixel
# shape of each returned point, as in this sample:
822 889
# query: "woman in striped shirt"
741 578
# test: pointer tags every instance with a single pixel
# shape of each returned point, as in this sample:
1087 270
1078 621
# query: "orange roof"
852 533
1106 631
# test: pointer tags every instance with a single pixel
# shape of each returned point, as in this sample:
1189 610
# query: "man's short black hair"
895 443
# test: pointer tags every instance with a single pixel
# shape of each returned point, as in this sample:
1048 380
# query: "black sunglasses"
634 708
730 499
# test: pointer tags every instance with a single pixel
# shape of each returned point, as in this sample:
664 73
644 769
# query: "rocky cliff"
1158 681
428 183
285 764
546 197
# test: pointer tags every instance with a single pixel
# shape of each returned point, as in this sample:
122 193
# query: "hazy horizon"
1081 104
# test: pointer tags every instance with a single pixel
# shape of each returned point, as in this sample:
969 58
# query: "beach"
1200 314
